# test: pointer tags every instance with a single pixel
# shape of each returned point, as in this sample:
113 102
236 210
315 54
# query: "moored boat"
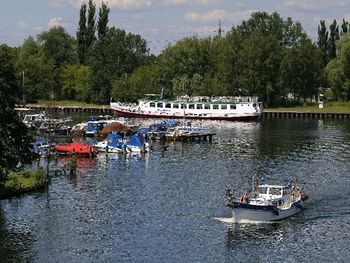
269 202
220 108
76 148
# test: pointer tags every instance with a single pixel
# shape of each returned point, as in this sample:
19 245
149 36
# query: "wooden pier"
190 137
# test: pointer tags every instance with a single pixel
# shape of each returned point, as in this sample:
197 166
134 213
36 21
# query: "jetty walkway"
267 114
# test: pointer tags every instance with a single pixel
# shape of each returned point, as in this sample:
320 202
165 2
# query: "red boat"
76 148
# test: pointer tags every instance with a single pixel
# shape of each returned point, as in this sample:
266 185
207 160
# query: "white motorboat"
269 202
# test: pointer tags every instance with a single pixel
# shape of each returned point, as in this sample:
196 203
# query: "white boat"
268 203
220 108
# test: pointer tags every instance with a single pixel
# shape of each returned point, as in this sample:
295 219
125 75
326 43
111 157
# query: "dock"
191 137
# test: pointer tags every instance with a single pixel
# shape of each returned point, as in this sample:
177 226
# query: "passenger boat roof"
185 99
274 186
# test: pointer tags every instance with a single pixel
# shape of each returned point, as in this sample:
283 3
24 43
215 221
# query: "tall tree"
338 70
344 27
37 70
322 41
91 27
102 24
115 55
14 139
59 47
82 34
301 70
333 37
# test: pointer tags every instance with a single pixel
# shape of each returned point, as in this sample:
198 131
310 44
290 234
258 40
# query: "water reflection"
13 228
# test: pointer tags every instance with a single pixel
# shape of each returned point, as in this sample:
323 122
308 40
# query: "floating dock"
190 137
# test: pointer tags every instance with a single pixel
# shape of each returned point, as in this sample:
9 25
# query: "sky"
162 22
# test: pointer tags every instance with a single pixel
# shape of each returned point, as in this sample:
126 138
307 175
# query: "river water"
169 205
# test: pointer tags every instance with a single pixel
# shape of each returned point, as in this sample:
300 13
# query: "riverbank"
19 183
330 110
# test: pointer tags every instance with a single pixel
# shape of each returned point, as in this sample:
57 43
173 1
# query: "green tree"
344 27
102 24
82 34
91 27
322 42
258 64
333 37
60 48
115 55
301 70
338 70
144 80
75 80
37 70
13 133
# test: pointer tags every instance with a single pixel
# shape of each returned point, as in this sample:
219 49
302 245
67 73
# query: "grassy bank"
18 183
67 103
329 107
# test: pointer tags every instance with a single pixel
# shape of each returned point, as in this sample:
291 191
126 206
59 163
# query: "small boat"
269 202
112 144
76 148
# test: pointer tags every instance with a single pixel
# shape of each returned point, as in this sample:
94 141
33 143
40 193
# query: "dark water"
164 206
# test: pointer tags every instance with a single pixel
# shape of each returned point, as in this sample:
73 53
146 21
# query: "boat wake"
231 220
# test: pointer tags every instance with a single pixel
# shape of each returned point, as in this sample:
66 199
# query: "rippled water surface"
169 205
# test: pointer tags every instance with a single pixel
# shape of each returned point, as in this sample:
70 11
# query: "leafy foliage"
13 133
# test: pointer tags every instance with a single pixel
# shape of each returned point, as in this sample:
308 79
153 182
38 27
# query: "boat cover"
75 147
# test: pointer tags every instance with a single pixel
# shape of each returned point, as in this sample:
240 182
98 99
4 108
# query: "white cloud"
121 4
218 14
55 3
54 22
189 2
314 5
210 16
23 25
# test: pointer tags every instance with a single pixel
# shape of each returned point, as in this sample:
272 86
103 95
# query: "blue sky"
163 21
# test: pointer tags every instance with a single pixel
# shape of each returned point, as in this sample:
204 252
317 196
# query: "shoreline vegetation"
328 107
18 183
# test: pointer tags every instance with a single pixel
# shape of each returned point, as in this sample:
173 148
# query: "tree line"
265 56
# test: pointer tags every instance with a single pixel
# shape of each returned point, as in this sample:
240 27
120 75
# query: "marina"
161 197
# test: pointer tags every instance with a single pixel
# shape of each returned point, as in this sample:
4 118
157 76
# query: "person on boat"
244 198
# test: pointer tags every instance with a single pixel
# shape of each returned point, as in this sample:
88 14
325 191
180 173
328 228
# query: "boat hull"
139 114
242 213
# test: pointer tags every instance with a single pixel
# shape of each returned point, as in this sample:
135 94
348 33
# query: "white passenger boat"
268 203
219 108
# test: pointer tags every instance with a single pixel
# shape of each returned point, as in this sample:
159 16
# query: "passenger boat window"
159 105
191 106
232 106
207 106
215 107
175 106
168 105
199 106
224 107
152 104
183 106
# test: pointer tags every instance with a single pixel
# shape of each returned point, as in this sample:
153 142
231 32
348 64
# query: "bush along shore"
18 183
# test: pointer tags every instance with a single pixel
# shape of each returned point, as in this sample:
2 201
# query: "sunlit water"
169 205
